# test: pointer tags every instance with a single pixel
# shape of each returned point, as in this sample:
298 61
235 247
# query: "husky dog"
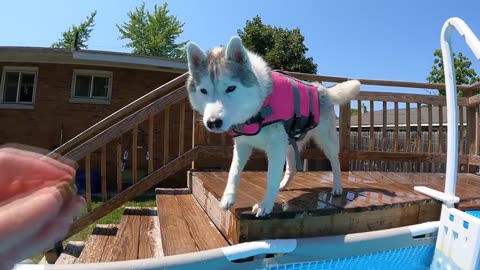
228 86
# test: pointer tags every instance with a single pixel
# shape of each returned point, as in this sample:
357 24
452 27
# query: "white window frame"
92 73
18 105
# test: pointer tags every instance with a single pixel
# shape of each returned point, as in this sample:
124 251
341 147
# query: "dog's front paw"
227 201
263 208
337 190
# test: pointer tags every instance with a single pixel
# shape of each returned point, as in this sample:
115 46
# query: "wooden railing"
159 122
407 153
163 123
410 150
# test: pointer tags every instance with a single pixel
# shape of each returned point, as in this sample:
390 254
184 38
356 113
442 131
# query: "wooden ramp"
371 201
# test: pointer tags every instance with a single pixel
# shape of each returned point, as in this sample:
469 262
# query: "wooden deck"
189 220
371 201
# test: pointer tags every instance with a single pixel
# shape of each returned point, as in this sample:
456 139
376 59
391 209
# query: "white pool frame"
341 246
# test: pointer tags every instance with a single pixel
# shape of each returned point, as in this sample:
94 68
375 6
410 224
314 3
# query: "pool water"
412 258
475 213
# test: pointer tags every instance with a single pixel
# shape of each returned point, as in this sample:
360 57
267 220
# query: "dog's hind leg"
325 136
290 168
241 153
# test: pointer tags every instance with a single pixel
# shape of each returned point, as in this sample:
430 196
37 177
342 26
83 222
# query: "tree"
153 33
282 48
67 41
464 74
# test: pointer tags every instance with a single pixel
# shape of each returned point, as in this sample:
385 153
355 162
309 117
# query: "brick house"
47 95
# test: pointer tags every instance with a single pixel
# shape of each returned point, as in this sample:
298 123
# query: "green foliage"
282 48
67 41
464 74
153 33
353 112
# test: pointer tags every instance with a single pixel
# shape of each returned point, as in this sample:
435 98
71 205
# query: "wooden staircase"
177 225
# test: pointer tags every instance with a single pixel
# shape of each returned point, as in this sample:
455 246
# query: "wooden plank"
344 129
103 172
194 135
174 231
413 98
430 129
119 165
359 125
384 126
395 135
321 78
151 152
202 230
88 183
225 152
71 252
96 242
127 239
135 154
148 182
440 129
150 244
419 127
474 139
371 143
166 135
226 221
408 141
109 244
461 131
181 128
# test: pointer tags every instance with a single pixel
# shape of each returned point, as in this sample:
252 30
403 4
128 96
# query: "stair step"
97 243
184 226
71 252
137 236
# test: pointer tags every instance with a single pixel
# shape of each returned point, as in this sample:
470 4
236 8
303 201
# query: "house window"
91 86
18 87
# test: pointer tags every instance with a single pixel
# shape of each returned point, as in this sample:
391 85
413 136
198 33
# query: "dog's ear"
236 51
197 59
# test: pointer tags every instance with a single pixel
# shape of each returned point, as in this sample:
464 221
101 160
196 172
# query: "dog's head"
222 85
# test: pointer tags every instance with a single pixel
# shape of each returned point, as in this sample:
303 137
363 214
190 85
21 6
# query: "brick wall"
54 114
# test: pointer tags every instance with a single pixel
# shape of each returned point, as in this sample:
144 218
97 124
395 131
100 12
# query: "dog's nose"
214 123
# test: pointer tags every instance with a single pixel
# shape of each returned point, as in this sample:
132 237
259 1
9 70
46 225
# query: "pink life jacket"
292 102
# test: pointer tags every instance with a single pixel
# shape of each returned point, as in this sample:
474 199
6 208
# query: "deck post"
472 132
344 133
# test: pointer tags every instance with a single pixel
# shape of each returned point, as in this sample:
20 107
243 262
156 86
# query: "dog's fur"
213 72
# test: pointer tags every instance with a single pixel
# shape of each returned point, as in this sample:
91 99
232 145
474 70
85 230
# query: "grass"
112 218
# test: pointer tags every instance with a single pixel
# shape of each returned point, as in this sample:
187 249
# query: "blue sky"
374 39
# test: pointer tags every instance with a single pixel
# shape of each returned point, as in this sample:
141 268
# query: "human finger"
19 173
54 159
50 233
21 218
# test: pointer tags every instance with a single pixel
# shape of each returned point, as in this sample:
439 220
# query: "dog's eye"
203 91
231 88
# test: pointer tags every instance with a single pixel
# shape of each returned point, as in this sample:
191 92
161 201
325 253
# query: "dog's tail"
344 92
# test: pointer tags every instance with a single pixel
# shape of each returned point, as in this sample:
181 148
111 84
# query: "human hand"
38 203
